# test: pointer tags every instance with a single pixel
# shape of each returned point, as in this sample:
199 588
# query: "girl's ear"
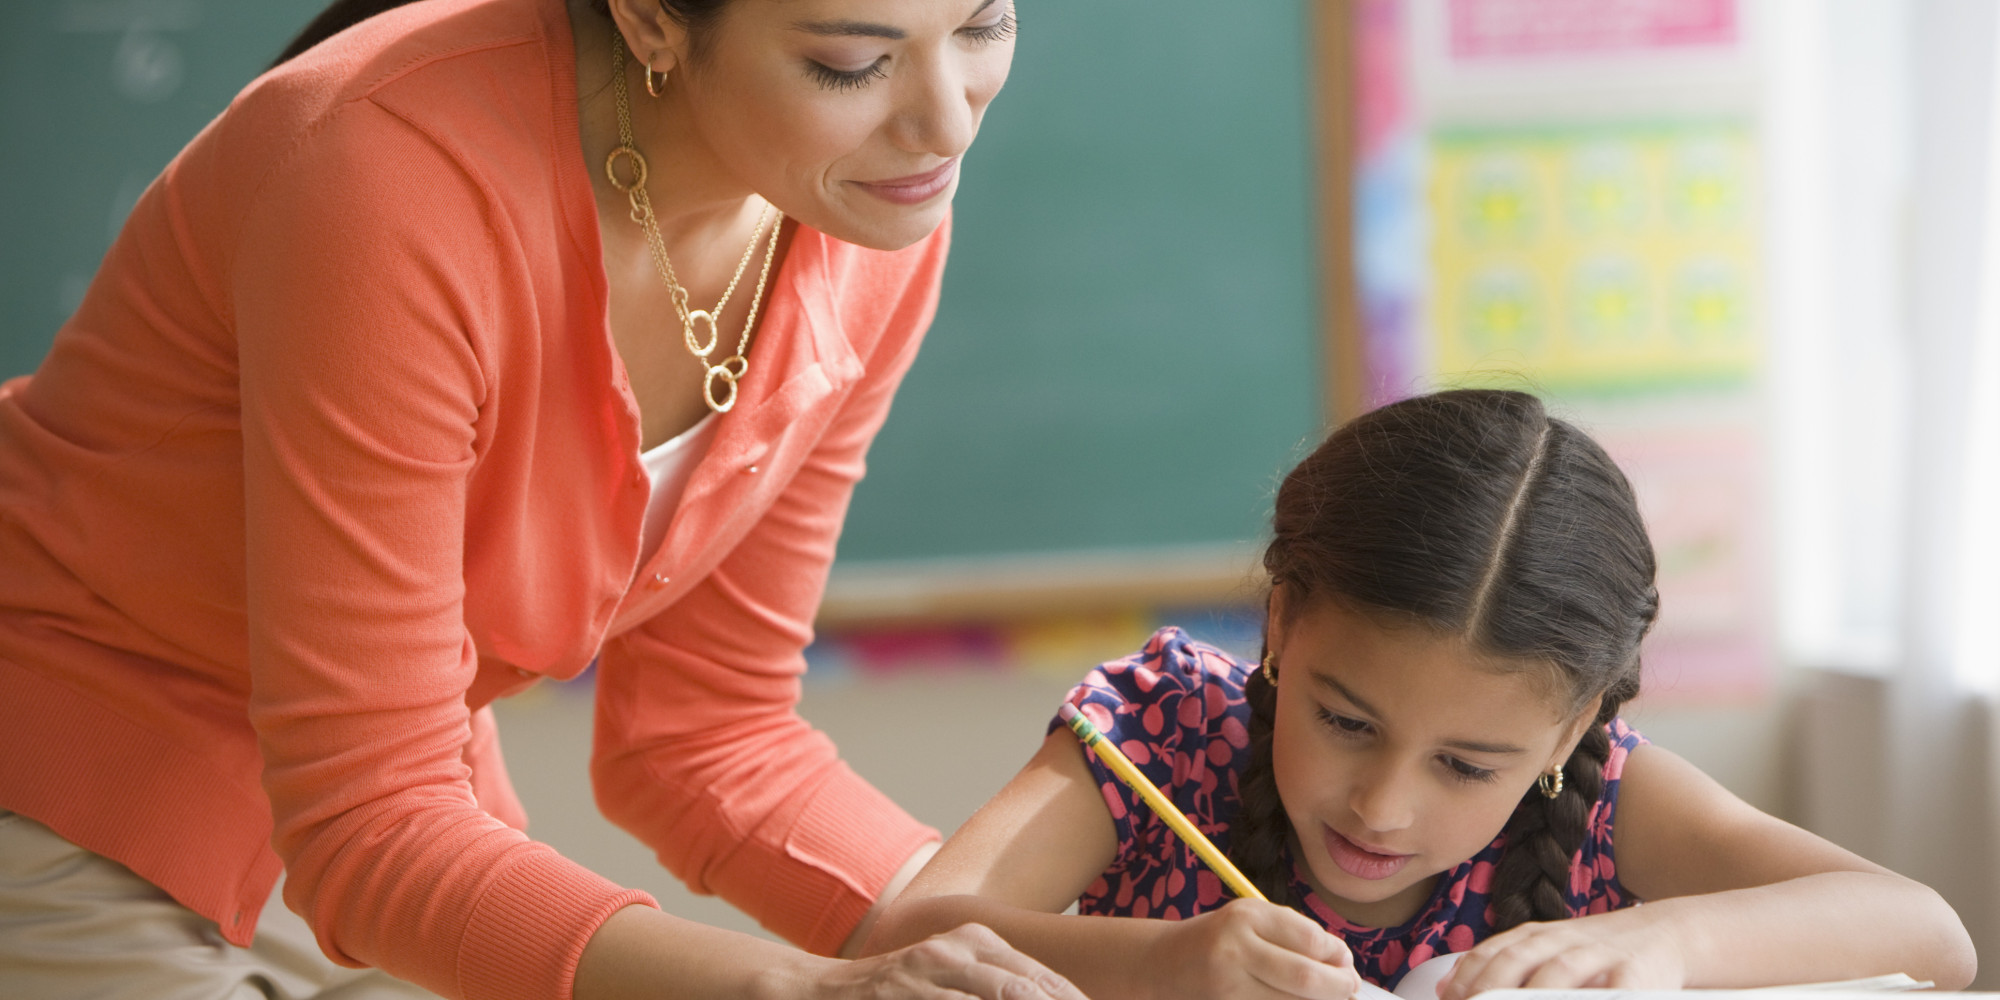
1274 618
657 41
1585 718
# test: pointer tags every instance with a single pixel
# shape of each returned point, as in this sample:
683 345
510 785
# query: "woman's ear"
657 41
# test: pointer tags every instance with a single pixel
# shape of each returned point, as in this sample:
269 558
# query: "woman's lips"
1359 861
916 188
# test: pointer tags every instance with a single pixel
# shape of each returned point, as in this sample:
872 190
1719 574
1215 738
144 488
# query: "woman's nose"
940 115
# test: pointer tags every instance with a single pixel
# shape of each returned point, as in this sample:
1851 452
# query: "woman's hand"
970 960
1626 949
1251 949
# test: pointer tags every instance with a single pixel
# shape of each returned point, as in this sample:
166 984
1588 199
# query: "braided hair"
1472 513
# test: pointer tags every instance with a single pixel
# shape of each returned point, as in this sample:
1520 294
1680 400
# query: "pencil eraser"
1066 712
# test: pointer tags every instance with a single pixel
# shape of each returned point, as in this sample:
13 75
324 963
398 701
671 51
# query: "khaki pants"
74 924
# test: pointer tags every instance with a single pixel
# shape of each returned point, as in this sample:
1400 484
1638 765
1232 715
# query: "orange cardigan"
337 450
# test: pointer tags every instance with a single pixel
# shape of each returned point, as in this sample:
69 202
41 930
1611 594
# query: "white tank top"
670 466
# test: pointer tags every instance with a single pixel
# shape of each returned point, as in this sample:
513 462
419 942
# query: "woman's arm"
1031 851
363 305
1734 898
640 951
698 747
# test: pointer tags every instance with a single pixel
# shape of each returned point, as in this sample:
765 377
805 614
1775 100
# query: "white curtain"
1897 751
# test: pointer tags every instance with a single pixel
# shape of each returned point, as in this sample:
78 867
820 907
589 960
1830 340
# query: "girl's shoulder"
1171 663
1624 739
1172 687
1176 709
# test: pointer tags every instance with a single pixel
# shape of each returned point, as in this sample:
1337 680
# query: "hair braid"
1532 879
1257 837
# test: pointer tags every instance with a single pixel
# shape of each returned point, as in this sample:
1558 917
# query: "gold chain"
731 369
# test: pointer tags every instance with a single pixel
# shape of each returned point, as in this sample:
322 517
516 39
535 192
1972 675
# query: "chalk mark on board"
146 66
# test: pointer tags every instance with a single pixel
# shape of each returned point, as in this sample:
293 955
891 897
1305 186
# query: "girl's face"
1399 753
848 115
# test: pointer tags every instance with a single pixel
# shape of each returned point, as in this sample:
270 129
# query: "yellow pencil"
1163 807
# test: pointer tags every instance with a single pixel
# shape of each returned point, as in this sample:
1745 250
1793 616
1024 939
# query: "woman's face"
1399 753
851 116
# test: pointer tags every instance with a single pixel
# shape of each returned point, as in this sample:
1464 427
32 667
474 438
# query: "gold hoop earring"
1270 675
651 89
1551 783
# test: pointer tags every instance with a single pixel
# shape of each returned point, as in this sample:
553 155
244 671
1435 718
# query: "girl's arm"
1031 851
1734 898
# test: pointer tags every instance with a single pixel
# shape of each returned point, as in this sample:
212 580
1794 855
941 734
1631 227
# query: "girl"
478 342
1427 760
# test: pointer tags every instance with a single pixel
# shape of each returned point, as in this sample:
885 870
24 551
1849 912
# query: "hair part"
1471 513
697 17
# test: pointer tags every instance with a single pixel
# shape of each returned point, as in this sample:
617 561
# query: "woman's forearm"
1830 926
1105 957
641 952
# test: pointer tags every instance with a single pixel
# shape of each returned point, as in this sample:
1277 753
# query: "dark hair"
694 15
1472 513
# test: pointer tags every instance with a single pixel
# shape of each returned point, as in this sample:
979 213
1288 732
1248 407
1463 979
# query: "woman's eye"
1344 724
995 31
846 79
1466 772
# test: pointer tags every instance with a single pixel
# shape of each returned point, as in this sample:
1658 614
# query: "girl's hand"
970 960
1626 949
1251 949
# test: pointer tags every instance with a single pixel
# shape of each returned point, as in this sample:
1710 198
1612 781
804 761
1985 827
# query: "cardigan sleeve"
700 751
363 282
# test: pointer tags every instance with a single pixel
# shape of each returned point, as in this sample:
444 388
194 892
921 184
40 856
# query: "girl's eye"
1343 724
998 31
846 79
1462 771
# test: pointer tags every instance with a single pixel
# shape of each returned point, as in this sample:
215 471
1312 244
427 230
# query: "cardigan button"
658 581
751 469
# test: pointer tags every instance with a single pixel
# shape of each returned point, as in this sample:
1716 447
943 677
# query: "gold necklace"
731 369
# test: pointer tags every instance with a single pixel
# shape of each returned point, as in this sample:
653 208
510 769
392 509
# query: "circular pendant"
696 319
638 168
708 388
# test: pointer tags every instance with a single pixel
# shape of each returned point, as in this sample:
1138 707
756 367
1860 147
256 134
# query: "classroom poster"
1490 28
1700 490
1596 259
1613 267
1388 204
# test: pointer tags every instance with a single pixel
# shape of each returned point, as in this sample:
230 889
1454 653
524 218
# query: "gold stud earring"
654 89
1270 676
1551 783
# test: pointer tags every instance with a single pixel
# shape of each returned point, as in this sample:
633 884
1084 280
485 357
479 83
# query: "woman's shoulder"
474 80
405 43
887 294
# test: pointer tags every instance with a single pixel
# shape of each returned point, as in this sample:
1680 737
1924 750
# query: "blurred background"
1752 245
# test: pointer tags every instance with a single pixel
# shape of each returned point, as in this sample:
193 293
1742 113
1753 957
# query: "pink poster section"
1498 28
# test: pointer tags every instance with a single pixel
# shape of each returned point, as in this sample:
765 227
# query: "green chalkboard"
1128 349
1127 352
95 97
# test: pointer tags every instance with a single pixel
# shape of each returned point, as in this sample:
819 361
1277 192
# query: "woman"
469 347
